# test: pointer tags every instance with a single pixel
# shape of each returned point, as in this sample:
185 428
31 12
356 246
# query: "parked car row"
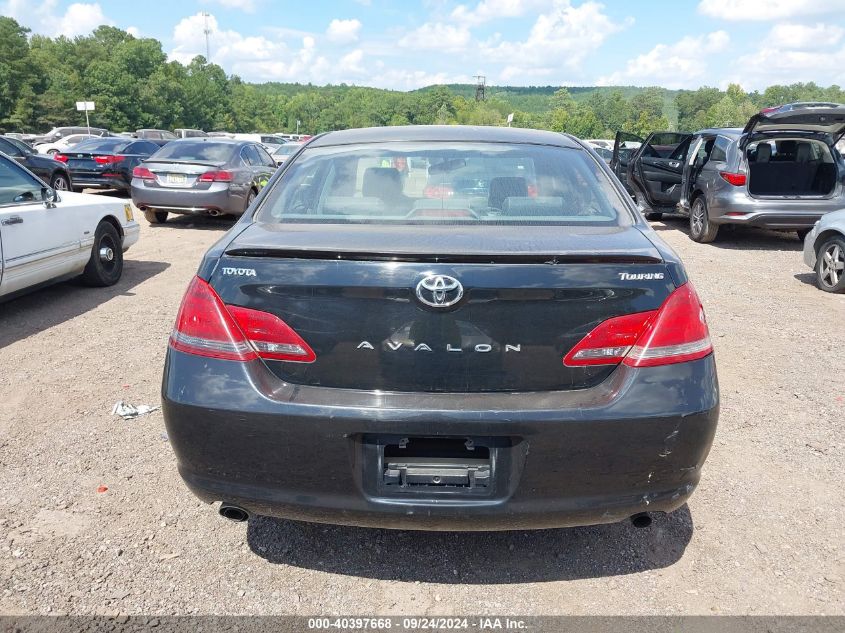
782 171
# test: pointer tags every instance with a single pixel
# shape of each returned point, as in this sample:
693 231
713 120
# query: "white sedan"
824 251
47 237
62 144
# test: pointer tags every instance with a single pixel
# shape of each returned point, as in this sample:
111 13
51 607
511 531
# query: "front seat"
384 183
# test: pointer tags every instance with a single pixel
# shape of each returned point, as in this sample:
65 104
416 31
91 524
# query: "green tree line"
135 86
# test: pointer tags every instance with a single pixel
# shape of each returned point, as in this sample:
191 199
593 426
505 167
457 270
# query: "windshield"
114 145
439 182
203 151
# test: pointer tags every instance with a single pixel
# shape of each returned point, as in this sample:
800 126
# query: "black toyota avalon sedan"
376 343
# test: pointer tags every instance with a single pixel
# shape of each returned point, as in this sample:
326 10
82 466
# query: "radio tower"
207 32
480 88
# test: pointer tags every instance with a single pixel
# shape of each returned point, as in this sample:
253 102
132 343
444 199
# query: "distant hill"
535 99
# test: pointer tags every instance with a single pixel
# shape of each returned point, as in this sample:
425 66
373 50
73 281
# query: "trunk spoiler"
551 259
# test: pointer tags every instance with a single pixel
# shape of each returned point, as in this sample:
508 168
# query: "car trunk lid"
181 174
827 118
372 316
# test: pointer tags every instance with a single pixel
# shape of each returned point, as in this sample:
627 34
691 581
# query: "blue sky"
412 43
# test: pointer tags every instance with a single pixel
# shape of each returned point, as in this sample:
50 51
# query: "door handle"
15 219
674 163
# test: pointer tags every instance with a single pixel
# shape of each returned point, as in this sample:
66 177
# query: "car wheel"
156 217
802 233
701 229
250 199
830 265
52 151
105 266
60 182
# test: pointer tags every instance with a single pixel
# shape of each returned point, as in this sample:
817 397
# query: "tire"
830 265
60 182
802 233
701 229
52 151
250 199
155 217
105 266
654 215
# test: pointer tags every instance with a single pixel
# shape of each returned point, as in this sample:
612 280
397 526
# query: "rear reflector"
737 180
207 327
675 333
216 176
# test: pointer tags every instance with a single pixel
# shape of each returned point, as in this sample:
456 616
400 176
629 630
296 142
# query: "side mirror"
49 197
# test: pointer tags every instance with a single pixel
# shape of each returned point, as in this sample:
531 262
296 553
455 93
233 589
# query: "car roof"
730 132
225 140
457 133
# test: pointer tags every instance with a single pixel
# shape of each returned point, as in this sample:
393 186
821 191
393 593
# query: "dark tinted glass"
109 144
205 151
445 183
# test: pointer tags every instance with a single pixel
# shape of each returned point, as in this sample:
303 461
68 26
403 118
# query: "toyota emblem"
439 291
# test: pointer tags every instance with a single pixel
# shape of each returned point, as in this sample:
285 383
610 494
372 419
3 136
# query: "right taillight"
216 176
207 327
60 157
438 191
735 179
675 333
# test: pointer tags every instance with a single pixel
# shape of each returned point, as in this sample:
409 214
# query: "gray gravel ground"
762 535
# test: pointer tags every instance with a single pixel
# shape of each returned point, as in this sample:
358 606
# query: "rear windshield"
114 145
206 151
439 182
287 149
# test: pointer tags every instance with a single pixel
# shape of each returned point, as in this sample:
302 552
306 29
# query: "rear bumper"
635 443
770 213
88 181
187 201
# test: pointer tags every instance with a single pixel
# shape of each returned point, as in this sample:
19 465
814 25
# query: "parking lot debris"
129 411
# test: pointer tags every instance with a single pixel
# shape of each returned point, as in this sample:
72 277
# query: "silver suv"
782 171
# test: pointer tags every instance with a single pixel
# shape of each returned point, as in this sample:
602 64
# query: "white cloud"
678 65
437 36
792 53
805 37
244 5
742 10
258 58
487 10
134 31
343 31
80 18
561 38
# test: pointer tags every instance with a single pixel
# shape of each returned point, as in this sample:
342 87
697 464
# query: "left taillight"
143 173
205 326
675 333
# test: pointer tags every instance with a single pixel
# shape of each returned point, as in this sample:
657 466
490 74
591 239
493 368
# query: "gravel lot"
762 535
